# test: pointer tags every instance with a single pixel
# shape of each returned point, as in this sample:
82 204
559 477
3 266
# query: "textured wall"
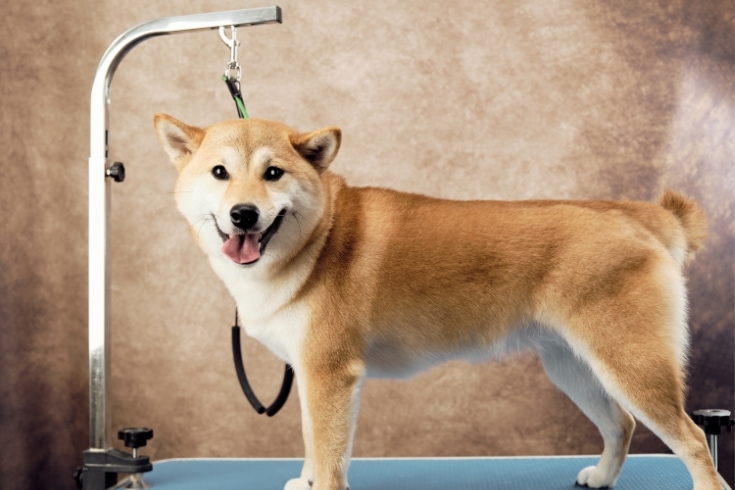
462 99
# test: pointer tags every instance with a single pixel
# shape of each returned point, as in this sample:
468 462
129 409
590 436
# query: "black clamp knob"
100 468
135 437
713 421
116 171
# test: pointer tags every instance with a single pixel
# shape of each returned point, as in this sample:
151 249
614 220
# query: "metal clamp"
713 422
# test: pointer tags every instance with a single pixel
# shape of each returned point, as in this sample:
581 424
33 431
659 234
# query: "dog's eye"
220 173
273 173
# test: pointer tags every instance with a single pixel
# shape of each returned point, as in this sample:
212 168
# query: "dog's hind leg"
650 388
638 356
576 380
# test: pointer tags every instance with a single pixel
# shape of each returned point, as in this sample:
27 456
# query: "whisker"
202 220
296 217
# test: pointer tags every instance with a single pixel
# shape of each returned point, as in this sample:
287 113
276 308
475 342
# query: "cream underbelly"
390 358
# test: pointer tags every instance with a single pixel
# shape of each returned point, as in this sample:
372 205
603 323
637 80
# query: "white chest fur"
266 310
282 333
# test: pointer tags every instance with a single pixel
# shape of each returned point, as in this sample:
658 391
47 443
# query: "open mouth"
247 248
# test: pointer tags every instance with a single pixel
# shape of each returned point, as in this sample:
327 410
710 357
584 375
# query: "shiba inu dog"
347 283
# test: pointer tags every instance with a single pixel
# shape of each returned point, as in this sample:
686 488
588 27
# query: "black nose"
244 215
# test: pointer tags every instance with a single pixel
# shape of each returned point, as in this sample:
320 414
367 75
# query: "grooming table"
641 472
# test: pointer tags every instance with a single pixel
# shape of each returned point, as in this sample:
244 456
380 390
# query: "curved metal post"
99 200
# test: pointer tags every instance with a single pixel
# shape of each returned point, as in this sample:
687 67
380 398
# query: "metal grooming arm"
99 201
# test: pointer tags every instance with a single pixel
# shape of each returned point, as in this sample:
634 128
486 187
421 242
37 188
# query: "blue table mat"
649 472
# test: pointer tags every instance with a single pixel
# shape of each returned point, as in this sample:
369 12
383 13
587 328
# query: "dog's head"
251 190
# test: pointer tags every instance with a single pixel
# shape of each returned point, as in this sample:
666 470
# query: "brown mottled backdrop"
463 99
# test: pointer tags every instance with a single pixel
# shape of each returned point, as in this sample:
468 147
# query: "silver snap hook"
232 70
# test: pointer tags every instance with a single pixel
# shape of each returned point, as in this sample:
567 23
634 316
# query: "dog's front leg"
307 473
332 388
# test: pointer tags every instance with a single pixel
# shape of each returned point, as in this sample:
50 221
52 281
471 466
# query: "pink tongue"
243 249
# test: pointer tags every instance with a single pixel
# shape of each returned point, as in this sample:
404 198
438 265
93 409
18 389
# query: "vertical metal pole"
713 449
99 305
99 195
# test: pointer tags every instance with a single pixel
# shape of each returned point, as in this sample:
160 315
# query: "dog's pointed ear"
178 140
318 147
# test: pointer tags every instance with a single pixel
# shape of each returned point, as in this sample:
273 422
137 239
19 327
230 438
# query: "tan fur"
373 282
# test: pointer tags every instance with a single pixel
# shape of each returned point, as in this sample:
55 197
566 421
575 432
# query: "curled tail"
691 217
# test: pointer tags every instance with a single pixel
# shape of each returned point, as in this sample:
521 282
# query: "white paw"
594 477
298 484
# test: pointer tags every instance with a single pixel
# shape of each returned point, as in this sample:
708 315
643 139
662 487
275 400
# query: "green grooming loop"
232 85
